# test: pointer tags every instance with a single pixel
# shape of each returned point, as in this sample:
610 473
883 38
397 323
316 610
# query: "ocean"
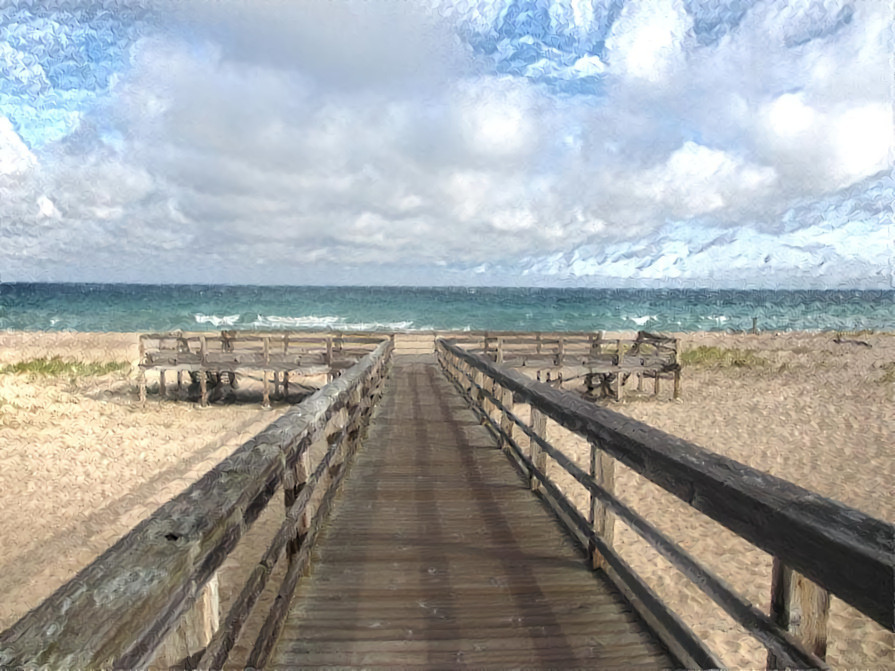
119 307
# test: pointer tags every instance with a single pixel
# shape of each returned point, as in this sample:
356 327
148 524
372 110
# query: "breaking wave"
214 320
327 322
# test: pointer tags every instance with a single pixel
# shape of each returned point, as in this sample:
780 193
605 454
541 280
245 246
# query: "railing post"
356 399
499 349
142 374
619 391
203 381
162 388
800 607
487 404
468 378
506 424
195 629
602 469
299 478
677 372
478 395
265 400
537 456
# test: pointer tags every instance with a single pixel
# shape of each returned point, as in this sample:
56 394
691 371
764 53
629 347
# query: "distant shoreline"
454 287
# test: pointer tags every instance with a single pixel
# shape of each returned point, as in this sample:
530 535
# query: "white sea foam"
214 320
327 322
640 321
379 326
309 322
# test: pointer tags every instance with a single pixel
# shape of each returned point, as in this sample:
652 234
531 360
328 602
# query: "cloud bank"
636 142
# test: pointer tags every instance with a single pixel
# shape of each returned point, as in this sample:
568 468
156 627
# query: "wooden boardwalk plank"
439 556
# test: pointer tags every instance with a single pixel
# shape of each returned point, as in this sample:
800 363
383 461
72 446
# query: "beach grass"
855 333
721 357
59 367
888 372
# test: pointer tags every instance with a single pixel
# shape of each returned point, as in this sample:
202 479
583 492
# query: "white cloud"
789 115
864 138
15 157
370 133
495 116
647 40
47 208
704 179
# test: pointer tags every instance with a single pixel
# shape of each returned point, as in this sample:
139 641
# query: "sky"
611 143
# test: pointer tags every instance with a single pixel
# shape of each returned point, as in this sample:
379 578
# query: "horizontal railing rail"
571 348
251 342
209 357
119 610
841 549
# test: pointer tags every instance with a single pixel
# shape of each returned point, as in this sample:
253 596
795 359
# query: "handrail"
118 610
235 338
841 549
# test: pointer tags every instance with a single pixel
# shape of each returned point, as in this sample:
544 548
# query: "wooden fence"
277 355
120 610
820 546
606 363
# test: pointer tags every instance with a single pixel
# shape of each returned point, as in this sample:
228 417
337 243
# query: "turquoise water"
118 307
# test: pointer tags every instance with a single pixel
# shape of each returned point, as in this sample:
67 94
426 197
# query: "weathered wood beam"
800 607
602 470
118 610
536 454
842 549
506 424
760 625
194 630
672 631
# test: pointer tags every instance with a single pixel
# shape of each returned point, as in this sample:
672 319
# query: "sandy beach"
802 407
82 462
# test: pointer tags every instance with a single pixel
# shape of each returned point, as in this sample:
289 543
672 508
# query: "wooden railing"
835 549
279 353
575 346
607 362
252 342
119 610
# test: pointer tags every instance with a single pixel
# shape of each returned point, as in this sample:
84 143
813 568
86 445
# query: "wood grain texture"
786 650
847 552
439 556
117 611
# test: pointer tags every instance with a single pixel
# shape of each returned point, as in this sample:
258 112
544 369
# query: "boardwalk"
437 555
